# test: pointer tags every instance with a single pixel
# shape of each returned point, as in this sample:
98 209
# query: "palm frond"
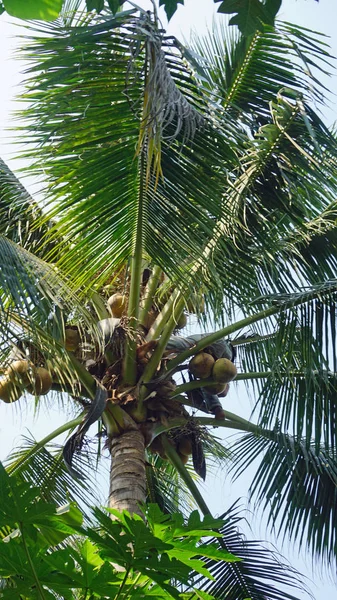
300 360
251 577
165 487
246 72
44 468
19 214
87 112
275 194
35 302
297 486
86 107
287 174
293 371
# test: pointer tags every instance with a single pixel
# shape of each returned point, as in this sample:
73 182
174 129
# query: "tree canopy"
248 15
177 181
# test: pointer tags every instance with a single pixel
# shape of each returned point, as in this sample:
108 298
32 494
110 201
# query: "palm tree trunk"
127 474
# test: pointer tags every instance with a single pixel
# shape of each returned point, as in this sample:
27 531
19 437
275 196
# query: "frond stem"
31 564
246 322
130 366
184 474
51 436
162 318
156 357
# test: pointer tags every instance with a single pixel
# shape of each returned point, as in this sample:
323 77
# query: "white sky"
14 420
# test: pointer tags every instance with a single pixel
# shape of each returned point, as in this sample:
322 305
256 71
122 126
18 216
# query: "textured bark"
127 474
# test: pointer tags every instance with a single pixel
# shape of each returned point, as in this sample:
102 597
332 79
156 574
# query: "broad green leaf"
251 14
96 5
58 527
44 10
70 514
16 499
90 561
114 5
170 6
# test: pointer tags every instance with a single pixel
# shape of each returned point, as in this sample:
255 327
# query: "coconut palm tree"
179 181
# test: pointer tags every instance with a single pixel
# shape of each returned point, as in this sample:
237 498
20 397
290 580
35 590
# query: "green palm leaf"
87 109
35 303
45 469
99 189
293 372
19 214
246 72
270 199
297 365
298 486
249 578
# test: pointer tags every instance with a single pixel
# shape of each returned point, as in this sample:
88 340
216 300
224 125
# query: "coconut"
72 339
117 304
182 321
42 382
183 457
224 370
19 367
201 365
19 370
217 388
225 391
157 448
185 446
9 392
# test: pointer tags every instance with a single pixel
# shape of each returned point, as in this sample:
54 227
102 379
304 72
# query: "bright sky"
15 419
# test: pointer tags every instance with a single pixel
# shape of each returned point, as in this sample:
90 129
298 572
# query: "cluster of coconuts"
183 448
221 371
22 374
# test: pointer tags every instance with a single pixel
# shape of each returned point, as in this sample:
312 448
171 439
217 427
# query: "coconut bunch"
220 371
187 441
23 375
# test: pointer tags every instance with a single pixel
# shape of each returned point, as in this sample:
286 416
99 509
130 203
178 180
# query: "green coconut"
225 391
41 383
224 370
19 370
9 391
201 365
72 339
182 321
217 388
